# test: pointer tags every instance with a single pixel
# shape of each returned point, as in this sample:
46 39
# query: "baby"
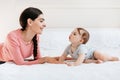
82 53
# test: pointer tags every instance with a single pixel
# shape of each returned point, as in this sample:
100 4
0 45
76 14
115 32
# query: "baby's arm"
78 61
92 61
63 57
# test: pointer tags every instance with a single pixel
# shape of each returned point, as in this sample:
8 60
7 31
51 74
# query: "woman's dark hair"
85 35
31 13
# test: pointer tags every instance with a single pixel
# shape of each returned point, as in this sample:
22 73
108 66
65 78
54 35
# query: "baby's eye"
74 33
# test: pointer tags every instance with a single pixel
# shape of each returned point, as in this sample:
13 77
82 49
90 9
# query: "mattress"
53 43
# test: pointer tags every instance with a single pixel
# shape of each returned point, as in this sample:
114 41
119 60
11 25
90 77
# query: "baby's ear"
81 41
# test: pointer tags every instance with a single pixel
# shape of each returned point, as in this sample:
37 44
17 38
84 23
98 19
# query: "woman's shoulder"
15 33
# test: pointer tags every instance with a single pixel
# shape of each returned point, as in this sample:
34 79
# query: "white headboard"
62 13
102 39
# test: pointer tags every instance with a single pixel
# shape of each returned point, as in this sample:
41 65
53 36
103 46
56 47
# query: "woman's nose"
44 24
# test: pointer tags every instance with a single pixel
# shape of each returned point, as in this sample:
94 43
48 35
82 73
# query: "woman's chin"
40 33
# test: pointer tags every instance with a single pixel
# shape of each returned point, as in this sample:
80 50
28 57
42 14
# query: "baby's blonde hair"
85 35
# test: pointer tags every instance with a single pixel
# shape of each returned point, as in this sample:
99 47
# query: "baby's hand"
98 61
70 64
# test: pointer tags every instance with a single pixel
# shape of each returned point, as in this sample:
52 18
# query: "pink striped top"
16 50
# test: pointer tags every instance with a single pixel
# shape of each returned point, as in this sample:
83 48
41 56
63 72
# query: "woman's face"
38 24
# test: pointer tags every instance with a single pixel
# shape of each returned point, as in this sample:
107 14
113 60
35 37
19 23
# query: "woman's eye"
41 21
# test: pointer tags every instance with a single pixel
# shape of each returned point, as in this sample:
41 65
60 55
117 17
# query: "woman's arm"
14 51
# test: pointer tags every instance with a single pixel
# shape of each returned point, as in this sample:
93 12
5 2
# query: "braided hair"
31 13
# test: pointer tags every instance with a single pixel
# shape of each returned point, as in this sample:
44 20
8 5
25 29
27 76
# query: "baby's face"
75 36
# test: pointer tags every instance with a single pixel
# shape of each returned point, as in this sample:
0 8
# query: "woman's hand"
42 60
53 60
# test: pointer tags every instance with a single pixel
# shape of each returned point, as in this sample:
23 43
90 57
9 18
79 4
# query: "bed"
53 42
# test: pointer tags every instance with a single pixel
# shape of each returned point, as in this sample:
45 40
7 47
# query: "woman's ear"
29 21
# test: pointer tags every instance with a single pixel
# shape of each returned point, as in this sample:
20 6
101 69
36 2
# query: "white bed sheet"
104 71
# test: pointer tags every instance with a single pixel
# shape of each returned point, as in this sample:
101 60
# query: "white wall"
62 13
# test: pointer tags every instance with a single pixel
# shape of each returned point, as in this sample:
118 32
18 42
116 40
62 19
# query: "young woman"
23 42
82 53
